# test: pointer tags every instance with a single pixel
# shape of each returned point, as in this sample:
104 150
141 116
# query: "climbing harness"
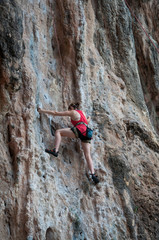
89 131
141 25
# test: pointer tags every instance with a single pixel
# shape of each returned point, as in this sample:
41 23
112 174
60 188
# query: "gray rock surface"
56 52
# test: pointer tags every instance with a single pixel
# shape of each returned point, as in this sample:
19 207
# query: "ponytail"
74 105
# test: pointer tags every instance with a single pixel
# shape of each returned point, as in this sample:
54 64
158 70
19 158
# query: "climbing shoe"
53 152
95 178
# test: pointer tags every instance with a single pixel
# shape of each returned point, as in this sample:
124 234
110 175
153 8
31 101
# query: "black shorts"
78 134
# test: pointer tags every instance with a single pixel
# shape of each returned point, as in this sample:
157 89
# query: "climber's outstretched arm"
54 113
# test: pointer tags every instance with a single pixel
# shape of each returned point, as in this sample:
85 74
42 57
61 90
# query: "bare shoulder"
75 115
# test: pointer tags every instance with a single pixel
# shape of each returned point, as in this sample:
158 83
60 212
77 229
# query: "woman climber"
78 131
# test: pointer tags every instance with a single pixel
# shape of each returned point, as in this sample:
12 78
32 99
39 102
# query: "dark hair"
74 105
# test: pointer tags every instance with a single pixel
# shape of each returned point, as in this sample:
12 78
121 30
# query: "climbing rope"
53 18
62 70
141 25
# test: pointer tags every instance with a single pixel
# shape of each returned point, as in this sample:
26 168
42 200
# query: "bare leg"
65 132
86 149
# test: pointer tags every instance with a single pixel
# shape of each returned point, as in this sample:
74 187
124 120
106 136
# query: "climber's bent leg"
65 132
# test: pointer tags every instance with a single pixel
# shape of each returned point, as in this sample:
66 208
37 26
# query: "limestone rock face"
95 52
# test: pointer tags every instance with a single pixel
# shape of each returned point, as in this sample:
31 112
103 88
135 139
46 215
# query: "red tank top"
81 127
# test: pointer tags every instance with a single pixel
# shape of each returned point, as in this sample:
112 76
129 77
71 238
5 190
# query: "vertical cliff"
95 52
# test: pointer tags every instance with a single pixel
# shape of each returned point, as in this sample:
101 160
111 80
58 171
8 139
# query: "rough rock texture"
95 52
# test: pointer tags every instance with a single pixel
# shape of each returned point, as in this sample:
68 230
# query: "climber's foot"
53 152
95 178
